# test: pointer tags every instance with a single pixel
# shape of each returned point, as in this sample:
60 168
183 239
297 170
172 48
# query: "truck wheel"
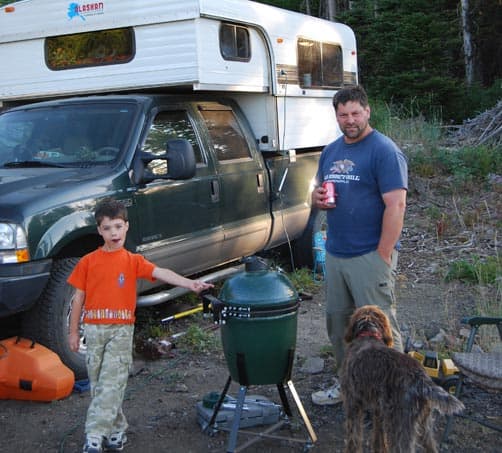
48 321
450 384
303 252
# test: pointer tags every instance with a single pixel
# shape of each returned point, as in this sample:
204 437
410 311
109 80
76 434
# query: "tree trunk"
467 38
331 9
307 7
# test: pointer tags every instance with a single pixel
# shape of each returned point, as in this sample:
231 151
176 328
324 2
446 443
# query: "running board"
173 293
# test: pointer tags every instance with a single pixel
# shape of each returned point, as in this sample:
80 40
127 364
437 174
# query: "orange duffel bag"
30 371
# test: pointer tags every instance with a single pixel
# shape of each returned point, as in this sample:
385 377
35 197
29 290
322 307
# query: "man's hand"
319 199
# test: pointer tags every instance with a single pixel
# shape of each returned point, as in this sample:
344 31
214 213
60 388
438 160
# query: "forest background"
438 58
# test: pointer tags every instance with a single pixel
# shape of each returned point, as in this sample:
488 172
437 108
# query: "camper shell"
281 67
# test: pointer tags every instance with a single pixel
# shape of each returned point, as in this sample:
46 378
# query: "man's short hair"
354 94
110 208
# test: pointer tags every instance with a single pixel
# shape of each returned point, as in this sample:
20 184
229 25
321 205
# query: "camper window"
94 48
320 64
234 42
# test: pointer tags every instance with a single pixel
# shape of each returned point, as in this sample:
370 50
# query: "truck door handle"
259 182
215 191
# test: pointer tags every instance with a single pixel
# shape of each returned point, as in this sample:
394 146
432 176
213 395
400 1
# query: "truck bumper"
21 285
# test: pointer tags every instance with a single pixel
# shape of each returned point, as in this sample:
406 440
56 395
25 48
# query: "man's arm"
392 222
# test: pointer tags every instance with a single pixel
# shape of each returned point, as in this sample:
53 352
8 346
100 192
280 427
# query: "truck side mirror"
179 159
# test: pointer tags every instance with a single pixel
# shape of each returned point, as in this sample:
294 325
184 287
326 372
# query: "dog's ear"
349 331
386 330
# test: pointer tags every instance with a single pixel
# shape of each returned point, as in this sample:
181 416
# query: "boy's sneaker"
115 442
327 397
93 444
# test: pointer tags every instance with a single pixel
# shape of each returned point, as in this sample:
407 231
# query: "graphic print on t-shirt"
342 166
339 172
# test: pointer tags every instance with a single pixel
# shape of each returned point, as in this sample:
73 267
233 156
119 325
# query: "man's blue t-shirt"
362 172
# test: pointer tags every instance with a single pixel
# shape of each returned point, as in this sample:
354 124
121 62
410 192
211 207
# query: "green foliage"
302 280
405 123
198 340
421 141
477 271
466 165
412 50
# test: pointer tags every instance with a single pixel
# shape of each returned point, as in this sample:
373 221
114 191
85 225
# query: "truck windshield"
65 135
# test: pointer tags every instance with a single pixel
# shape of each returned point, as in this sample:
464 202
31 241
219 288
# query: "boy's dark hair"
354 94
110 208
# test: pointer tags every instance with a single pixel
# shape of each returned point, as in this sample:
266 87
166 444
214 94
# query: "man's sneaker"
115 442
93 444
327 397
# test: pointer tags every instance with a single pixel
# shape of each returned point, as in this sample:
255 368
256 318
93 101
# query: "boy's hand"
74 340
197 286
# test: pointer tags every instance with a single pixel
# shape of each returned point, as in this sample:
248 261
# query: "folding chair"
483 369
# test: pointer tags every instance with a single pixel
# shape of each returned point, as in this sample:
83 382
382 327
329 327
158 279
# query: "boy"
105 282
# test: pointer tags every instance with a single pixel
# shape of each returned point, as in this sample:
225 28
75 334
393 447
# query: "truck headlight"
13 244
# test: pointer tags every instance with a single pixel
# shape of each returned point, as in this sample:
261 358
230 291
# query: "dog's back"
392 386
374 371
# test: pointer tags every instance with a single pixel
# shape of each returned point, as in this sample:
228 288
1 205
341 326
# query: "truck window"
76 134
96 48
320 64
227 136
166 126
234 42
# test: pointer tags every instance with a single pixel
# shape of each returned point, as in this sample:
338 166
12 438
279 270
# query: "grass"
199 340
303 280
476 271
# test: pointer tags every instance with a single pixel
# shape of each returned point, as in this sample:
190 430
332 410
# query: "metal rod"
305 418
232 442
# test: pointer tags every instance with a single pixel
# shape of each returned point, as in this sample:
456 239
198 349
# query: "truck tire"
303 252
48 321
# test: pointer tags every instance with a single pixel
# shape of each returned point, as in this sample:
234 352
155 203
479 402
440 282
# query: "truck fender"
65 231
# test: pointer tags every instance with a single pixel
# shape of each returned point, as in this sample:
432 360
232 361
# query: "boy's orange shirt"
109 282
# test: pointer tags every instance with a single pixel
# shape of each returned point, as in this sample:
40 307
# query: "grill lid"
258 289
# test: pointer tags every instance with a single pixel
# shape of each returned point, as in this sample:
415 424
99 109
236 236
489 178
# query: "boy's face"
114 232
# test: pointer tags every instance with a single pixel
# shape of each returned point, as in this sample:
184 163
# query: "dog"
389 385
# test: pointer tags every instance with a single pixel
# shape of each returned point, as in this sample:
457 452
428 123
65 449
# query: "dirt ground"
162 394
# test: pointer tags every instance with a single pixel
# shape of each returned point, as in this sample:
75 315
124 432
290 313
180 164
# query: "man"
370 178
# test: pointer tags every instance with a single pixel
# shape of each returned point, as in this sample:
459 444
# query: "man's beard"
354 131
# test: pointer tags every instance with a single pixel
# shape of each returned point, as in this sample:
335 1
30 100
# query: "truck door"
245 214
179 225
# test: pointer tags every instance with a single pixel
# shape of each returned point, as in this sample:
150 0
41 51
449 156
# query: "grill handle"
213 304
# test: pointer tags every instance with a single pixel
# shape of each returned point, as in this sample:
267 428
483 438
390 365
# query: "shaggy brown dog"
391 386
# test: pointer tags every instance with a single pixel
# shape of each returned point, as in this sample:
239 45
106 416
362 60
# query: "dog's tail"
443 401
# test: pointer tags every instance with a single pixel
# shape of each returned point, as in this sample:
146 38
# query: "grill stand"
234 431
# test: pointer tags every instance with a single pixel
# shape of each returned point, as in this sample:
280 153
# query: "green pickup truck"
205 118
199 195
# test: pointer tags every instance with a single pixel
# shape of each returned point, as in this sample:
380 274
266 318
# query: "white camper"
281 67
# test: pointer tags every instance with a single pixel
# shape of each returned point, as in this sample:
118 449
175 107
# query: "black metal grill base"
268 433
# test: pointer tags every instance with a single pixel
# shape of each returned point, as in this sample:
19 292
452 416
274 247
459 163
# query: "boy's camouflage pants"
109 357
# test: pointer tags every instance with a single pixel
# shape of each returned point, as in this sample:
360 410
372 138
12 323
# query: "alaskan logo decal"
83 10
